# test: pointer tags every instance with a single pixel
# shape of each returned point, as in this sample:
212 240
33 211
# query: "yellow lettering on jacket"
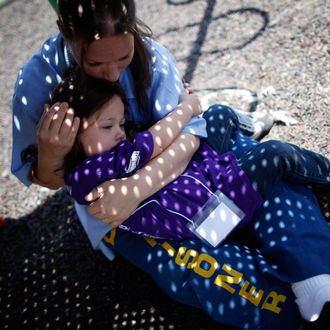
274 298
223 280
250 295
110 237
183 257
210 261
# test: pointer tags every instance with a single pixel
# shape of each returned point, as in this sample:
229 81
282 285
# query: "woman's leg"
272 160
225 282
250 274
293 235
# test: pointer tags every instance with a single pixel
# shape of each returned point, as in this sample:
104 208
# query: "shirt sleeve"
166 89
32 90
122 161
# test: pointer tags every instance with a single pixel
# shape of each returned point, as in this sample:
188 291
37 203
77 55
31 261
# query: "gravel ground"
277 50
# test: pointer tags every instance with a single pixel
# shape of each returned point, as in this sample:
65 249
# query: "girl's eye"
107 127
94 64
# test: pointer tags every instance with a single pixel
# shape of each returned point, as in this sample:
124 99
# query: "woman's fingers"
58 124
58 119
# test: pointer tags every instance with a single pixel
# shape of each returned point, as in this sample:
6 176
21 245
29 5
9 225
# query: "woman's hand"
114 201
193 101
56 133
57 130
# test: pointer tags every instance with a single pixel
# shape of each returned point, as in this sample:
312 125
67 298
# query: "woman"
224 281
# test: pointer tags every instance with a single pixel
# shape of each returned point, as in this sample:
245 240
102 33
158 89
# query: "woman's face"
107 58
104 129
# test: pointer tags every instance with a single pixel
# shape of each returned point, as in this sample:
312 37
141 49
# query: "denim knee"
221 123
220 113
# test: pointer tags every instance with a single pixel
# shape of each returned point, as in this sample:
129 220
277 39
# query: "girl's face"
106 58
104 129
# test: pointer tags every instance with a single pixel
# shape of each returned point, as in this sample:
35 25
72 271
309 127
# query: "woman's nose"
112 73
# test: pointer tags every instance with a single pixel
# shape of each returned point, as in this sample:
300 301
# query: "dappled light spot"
178 88
251 266
49 79
221 309
232 304
157 105
279 213
277 200
17 123
149 181
56 62
281 224
124 190
270 230
45 58
266 204
174 287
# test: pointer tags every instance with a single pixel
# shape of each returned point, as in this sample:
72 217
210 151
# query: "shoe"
255 124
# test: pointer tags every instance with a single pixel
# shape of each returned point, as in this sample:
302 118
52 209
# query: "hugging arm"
121 197
167 129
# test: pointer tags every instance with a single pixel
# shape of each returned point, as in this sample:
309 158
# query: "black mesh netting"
50 278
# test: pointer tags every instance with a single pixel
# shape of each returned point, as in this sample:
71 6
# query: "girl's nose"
120 134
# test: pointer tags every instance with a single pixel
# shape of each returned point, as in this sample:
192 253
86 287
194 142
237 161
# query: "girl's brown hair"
85 95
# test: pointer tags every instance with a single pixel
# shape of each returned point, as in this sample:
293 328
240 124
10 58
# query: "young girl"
102 139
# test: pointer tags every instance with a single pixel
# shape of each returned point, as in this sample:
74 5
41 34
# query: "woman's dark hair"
85 95
88 20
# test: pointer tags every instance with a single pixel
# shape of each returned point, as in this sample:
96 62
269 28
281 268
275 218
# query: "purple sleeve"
122 161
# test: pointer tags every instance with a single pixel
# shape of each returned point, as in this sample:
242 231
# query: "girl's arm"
116 200
167 129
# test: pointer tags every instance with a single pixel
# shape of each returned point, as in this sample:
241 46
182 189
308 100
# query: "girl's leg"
224 131
269 161
222 123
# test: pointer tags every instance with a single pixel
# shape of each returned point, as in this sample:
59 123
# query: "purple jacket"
166 213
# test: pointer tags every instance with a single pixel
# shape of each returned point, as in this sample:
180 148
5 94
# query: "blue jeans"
265 163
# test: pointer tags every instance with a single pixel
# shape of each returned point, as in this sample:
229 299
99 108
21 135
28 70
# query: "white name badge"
217 218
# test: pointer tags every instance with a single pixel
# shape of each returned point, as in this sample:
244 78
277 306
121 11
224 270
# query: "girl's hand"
187 87
114 201
193 101
56 132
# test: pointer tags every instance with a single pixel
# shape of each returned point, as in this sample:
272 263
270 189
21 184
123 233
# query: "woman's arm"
167 129
118 199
